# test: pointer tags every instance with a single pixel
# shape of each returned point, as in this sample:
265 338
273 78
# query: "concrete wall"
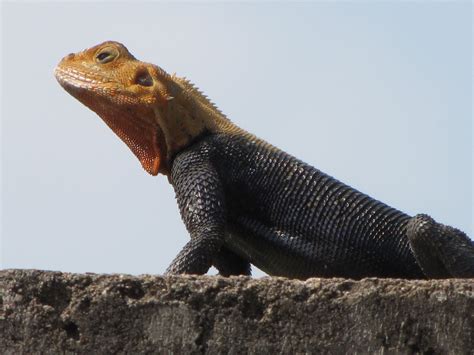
52 312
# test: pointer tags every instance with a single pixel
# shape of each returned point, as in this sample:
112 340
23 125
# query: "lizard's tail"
441 251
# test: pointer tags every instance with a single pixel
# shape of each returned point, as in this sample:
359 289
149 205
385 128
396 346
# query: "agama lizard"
243 200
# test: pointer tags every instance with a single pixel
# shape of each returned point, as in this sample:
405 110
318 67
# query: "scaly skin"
244 201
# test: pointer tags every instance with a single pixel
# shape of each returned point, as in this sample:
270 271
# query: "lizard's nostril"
69 56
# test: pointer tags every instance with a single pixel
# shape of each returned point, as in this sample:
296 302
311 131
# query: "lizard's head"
125 92
155 114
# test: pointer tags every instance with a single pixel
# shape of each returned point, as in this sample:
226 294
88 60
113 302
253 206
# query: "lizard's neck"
187 115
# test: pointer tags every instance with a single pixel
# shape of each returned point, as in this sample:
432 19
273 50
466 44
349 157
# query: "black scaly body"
244 202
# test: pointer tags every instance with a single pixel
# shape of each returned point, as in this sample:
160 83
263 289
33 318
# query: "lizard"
244 201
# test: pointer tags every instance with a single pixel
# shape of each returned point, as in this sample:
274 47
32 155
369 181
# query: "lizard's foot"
229 263
441 251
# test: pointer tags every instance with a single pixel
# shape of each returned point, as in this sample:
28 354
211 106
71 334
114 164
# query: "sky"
376 94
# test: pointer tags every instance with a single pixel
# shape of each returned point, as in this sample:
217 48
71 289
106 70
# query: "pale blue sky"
377 94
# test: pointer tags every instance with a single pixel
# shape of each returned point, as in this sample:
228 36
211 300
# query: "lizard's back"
288 218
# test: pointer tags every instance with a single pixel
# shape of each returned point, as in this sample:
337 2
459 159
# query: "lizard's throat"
141 133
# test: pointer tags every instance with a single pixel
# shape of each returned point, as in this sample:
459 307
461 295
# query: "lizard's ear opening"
143 78
148 83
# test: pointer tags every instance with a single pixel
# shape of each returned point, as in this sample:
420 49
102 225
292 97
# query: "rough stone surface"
53 312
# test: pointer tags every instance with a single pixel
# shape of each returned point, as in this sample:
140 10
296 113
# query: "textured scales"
244 201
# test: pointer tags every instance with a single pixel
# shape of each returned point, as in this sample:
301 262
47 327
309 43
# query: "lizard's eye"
143 78
106 55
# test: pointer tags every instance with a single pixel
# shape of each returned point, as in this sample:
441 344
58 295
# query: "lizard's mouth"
74 80
136 127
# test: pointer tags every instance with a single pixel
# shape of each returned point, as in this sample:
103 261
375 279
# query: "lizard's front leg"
229 263
201 202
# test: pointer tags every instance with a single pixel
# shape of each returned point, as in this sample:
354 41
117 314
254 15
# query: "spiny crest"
197 93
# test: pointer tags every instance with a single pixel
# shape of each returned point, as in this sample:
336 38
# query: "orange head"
125 92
